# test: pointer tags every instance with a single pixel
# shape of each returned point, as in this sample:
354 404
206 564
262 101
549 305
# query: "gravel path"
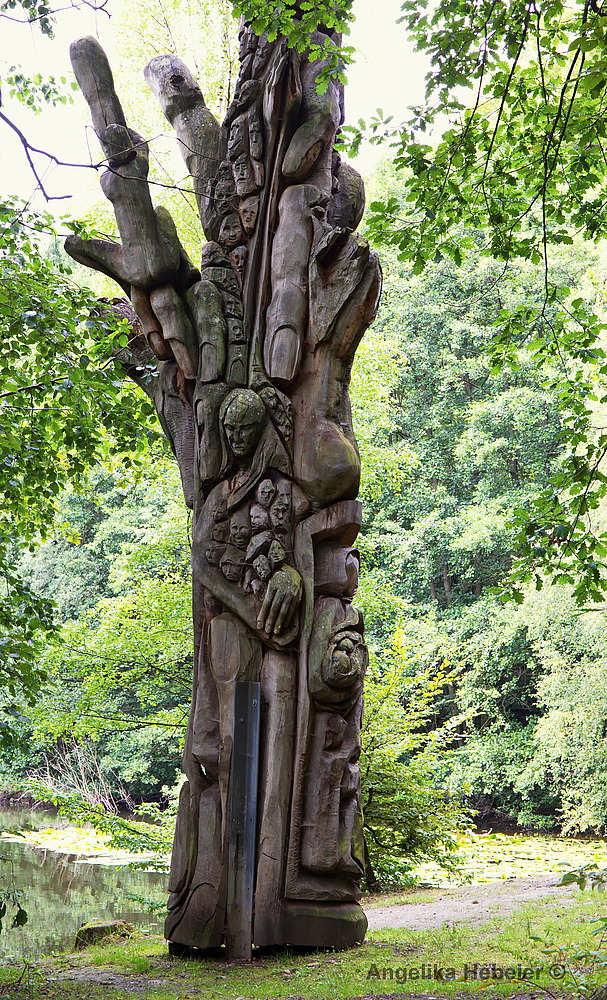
477 903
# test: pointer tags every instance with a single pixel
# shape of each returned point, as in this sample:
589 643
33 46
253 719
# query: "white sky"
387 74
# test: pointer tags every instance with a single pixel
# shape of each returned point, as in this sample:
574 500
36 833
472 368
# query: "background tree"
523 163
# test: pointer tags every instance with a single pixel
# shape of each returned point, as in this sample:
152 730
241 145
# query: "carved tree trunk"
253 352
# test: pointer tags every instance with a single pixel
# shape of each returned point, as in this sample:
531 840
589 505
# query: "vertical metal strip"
242 820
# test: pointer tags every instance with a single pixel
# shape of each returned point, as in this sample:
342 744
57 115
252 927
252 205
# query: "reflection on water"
61 894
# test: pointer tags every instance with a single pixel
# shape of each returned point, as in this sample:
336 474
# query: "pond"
62 892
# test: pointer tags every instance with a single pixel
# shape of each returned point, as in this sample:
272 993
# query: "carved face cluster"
224 332
252 544
240 178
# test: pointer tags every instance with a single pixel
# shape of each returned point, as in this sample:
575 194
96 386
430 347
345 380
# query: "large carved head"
346 659
243 416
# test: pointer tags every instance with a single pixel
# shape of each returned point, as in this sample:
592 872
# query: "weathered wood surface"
254 350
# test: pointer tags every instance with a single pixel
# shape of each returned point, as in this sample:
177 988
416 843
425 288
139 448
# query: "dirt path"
477 903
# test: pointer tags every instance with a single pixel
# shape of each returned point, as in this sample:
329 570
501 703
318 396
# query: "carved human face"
214 554
259 518
265 493
224 198
243 422
242 437
279 516
219 510
241 168
255 138
236 138
262 567
232 564
231 233
236 333
239 258
221 531
281 502
283 489
248 41
346 660
276 555
248 213
261 54
240 529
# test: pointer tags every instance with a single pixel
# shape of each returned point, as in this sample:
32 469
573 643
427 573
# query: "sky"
387 74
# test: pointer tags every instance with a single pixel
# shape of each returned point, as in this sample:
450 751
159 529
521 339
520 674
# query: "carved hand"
281 600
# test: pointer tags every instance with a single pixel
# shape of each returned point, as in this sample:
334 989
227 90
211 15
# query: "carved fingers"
149 263
197 131
95 79
280 602
100 255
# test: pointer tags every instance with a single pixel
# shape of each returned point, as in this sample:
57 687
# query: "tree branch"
29 149
97 7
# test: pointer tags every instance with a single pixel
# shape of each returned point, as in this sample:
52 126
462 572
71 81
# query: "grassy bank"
390 963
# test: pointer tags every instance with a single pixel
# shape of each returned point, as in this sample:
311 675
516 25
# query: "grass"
381 967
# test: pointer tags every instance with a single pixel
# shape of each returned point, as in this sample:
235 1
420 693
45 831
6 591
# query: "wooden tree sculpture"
248 361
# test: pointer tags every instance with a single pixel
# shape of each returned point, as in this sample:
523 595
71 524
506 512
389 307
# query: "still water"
62 893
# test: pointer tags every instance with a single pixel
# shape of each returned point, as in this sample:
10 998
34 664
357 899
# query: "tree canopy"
522 162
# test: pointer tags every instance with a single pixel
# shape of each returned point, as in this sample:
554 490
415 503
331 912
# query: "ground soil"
476 903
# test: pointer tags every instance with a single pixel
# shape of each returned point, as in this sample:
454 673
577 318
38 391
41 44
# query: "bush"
409 817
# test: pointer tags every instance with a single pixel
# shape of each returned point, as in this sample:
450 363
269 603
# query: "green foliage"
297 20
35 92
453 445
408 817
63 406
571 738
497 769
530 679
522 162
119 671
36 11
11 898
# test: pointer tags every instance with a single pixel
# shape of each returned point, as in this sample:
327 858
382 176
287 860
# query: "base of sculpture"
302 925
